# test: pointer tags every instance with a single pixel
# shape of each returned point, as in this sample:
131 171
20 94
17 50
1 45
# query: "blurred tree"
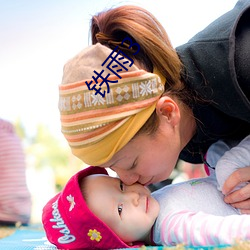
45 150
20 130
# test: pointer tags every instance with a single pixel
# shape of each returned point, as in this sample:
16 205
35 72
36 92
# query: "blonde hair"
156 51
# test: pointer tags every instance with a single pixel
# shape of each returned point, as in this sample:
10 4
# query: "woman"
138 125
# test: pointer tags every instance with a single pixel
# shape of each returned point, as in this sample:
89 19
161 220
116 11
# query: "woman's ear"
168 109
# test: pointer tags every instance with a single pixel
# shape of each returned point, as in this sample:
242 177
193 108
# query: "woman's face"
147 159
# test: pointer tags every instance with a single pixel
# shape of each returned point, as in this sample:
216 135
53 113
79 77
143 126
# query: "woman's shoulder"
209 65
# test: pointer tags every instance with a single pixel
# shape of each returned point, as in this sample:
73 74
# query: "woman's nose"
126 177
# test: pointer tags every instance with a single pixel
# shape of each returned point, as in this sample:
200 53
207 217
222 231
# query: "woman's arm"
237 157
231 162
240 198
233 175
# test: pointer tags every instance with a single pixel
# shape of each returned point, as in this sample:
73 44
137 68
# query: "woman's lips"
148 183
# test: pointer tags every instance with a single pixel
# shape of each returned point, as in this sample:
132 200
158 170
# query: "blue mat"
26 239
33 238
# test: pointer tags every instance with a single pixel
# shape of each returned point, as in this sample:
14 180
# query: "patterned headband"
99 123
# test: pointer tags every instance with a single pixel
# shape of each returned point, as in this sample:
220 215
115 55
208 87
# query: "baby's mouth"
147 203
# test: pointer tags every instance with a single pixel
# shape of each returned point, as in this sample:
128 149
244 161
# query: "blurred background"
36 40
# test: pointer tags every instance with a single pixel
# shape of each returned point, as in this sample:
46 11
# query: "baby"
96 211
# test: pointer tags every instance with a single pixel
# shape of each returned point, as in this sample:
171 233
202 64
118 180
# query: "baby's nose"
133 197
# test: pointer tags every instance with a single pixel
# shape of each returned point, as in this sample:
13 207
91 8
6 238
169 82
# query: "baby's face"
130 211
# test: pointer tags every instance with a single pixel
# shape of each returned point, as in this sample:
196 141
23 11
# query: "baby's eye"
121 186
120 206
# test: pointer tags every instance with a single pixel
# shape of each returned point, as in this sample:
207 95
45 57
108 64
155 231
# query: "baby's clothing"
194 212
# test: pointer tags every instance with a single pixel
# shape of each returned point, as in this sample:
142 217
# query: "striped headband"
95 125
